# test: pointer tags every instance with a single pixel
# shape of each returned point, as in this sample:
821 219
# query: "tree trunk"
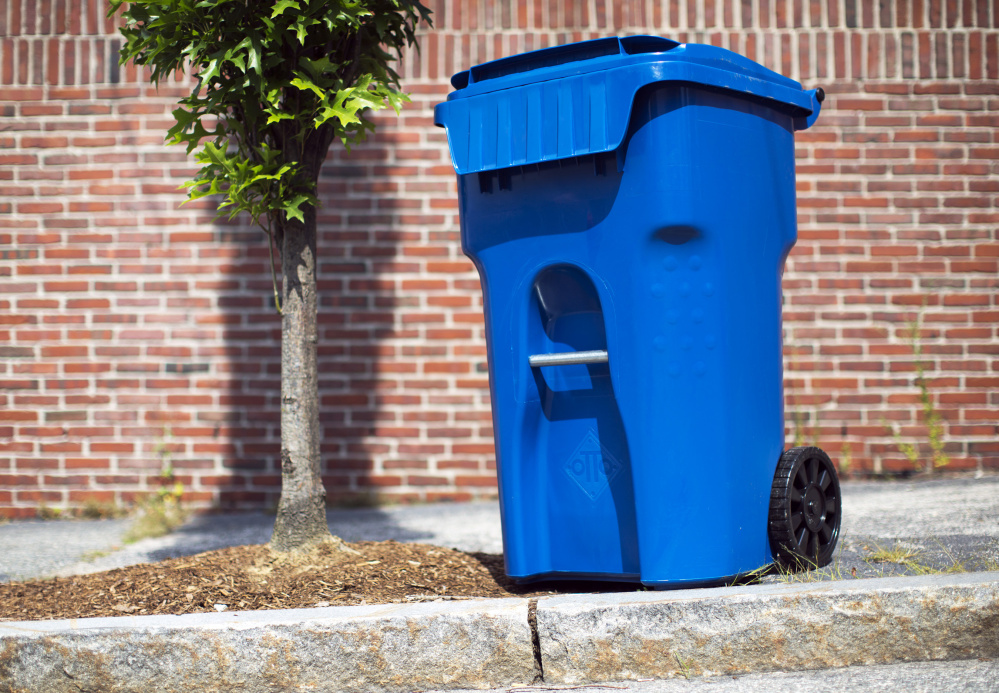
301 515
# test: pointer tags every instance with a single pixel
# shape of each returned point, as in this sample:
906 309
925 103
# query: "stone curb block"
459 644
488 643
762 628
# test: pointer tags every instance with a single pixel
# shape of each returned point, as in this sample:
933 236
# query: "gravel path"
948 522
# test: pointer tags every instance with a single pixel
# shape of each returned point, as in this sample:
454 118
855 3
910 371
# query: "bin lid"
576 99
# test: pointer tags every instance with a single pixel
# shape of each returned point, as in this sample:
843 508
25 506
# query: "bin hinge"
568 358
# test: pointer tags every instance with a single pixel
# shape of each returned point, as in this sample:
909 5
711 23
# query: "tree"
278 81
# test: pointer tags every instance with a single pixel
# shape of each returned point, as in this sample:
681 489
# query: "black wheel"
805 509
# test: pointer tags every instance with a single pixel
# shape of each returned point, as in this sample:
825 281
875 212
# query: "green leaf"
308 85
277 117
214 154
210 71
292 207
319 67
184 118
302 29
281 5
236 56
345 116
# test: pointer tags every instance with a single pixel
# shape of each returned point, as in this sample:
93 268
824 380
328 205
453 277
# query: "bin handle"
568 358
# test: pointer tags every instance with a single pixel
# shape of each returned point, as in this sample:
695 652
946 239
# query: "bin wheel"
805 509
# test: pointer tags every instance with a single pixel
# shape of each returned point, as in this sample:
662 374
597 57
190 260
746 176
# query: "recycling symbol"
592 466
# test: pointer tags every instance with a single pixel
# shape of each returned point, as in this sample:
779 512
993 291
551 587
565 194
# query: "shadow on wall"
402 377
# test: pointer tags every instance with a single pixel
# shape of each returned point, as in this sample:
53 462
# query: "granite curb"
760 628
571 640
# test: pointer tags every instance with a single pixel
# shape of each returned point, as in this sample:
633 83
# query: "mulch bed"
244 578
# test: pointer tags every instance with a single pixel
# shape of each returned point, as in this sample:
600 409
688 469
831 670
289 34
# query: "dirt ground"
244 578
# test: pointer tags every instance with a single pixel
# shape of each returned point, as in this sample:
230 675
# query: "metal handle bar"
568 358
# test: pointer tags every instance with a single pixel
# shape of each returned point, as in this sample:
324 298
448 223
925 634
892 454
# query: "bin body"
665 251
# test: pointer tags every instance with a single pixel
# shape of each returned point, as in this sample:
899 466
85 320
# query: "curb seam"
532 623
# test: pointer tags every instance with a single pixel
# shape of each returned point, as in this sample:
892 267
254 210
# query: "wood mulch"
244 578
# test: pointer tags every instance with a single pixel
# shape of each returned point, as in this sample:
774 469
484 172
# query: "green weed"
93 509
846 458
909 559
807 570
159 513
684 667
905 447
931 416
935 430
46 512
808 573
898 554
91 556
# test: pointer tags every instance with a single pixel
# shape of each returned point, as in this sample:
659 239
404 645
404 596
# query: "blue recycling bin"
629 204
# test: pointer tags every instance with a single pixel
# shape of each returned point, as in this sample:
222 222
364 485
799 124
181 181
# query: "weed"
931 417
906 448
684 667
94 509
934 421
159 513
45 512
846 458
804 434
907 558
808 573
91 556
955 566
807 570
91 509
753 576
899 554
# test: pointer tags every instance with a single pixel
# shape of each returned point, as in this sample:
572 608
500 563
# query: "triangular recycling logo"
592 466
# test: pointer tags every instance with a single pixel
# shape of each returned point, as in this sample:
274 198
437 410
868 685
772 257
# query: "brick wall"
135 333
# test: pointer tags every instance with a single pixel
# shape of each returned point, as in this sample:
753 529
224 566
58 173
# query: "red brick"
101 447
461 481
11 415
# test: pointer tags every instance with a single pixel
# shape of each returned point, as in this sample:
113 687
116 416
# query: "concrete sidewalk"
947 521
565 640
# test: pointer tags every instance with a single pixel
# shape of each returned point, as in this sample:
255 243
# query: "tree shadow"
219 531
355 314
374 446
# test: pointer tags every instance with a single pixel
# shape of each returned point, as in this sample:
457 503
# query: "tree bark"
301 515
